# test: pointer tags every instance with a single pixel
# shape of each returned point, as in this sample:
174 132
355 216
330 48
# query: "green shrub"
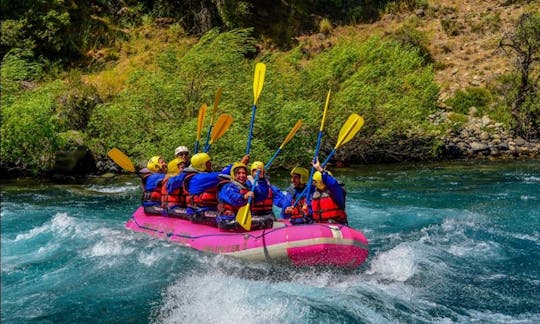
18 66
463 100
29 129
390 85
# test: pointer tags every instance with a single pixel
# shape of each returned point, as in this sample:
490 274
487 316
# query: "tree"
524 41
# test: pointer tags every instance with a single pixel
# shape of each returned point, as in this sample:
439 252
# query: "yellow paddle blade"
258 80
325 110
222 125
349 129
121 159
291 133
243 217
200 120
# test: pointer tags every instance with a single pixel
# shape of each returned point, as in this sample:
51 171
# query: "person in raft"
182 153
151 198
173 200
261 208
328 199
233 193
200 186
298 212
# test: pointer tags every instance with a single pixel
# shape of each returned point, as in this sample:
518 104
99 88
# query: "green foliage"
159 109
17 67
524 42
386 83
470 97
29 129
233 13
325 26
75 106
408 35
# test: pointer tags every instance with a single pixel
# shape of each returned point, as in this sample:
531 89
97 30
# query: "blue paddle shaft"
254 108
254 184
207 139
272 159
329 157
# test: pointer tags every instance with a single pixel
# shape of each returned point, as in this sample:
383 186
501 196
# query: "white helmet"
181 149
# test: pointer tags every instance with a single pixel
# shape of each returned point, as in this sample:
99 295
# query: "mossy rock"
71 152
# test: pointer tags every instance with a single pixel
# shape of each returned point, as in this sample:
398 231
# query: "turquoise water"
453 242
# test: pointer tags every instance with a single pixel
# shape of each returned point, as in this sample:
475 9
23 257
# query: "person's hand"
317 165
245 159
305 209
289 210
248 194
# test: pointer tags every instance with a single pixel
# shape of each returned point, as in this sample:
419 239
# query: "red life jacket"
177 198
227 209
263 207
152 191
297 207
207 198
325 208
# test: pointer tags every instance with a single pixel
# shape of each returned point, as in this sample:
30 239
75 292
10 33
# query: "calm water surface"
457 242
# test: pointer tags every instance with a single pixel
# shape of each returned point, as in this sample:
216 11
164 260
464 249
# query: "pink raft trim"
303 245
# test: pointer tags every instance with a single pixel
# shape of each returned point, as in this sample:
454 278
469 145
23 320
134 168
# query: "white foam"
217 298
110 248
65 225
397 264
492 317
32 233
148 259
127 188
531 179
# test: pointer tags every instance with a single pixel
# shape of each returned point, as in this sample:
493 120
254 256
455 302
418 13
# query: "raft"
301 245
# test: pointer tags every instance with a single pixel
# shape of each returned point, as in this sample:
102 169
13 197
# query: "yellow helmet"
303 173
236 166
172 167
154 165
257 165
317 178
198 161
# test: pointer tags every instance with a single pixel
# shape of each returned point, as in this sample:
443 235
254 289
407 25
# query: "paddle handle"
206 145
328 158
267 166
250 135
254 184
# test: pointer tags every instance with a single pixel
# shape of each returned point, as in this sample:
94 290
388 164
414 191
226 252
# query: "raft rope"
265 232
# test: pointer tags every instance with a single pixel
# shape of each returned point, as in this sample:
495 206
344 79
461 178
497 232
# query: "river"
449 242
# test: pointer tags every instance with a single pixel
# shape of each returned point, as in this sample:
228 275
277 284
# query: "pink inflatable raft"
301 245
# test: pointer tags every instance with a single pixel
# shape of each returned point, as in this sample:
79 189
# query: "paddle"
200 121
319 138
222 125
351 127
243 216
121 159
347 132
258 80
287 139
216 103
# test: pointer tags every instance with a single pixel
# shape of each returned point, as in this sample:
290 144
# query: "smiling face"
240 175
295 180
184 156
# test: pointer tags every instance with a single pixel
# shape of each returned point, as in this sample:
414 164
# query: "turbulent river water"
449 242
